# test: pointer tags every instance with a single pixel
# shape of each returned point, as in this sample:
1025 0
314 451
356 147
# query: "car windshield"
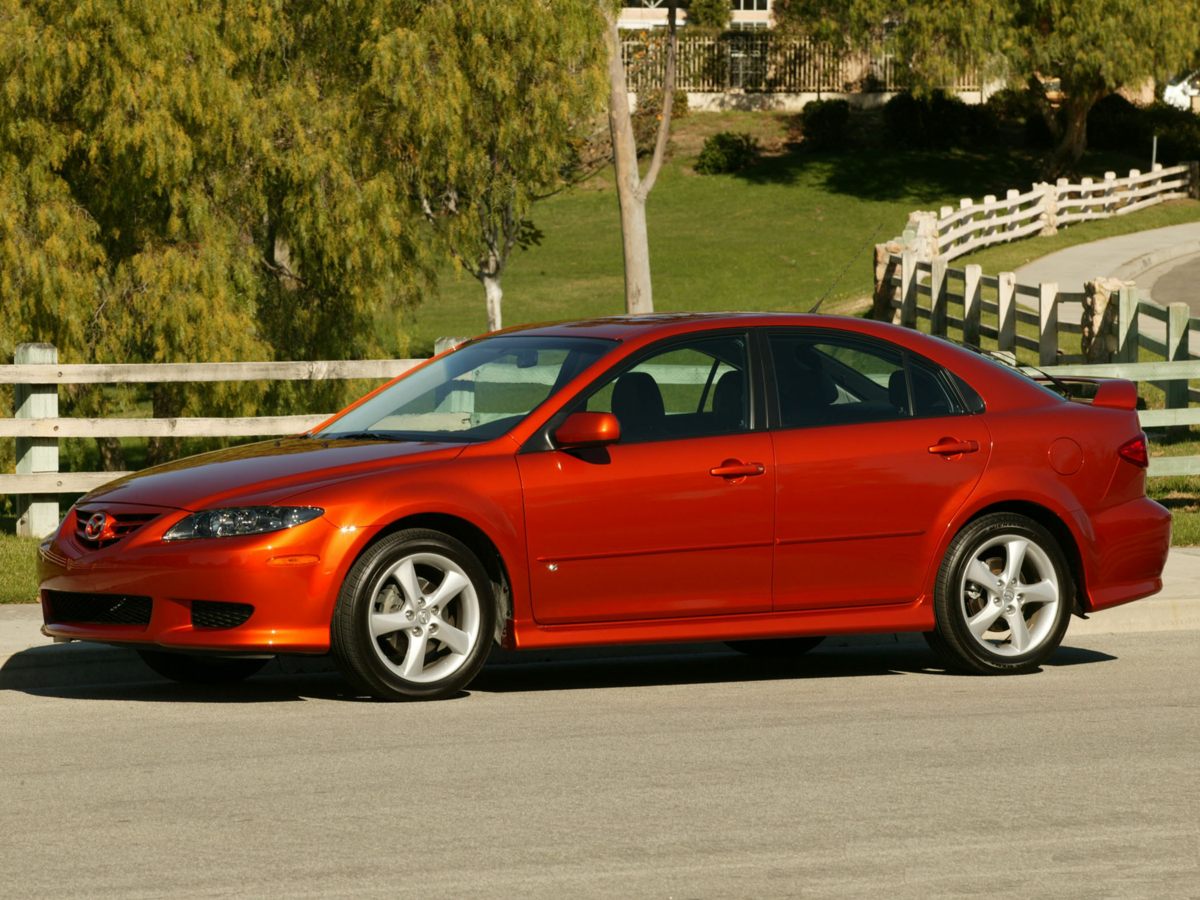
474 394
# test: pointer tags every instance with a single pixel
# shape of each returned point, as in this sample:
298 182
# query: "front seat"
638 405
729 402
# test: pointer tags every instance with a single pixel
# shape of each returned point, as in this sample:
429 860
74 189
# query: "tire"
194 668
1003 597
775 648
415 617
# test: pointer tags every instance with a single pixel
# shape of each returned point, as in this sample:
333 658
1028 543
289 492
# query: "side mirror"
588 429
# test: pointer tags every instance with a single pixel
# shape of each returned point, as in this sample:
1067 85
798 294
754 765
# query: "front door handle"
950 447
735 468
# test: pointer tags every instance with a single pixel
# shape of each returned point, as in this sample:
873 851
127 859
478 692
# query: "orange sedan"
764 480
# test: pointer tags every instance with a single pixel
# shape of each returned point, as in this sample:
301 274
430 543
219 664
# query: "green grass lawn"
794 228
18 581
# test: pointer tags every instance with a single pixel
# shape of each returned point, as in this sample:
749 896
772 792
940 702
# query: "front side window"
831 380
691 389
474 394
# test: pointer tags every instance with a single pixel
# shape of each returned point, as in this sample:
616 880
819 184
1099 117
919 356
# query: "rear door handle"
735 468
950 447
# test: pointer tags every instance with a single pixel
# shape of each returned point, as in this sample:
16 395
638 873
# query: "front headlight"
240 520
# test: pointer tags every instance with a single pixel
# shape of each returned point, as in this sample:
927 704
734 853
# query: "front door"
673 520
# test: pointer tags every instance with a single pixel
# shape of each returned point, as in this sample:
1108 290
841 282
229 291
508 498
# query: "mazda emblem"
95 526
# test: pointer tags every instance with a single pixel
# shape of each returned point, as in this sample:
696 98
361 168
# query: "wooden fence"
973 225
965 304
765 61
37 428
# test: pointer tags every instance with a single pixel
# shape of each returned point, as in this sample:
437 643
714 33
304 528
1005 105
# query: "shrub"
824 124
728 151
647 113
938 120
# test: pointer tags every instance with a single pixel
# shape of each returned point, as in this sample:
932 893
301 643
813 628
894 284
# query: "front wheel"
1003 597
415 617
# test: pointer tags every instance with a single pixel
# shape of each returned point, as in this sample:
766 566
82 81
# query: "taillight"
1135 451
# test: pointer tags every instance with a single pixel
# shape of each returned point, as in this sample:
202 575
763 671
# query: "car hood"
264 472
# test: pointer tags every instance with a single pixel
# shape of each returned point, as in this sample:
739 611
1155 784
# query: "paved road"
1176 281
856 772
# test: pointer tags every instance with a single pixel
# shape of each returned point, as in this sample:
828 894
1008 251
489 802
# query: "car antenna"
816 306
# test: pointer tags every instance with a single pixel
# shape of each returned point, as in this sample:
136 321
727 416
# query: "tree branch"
664 125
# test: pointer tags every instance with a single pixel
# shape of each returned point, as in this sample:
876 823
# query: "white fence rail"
953 232
37 427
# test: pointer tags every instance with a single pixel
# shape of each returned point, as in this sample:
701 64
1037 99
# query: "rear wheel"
193 668
776 648
415 617
1003 596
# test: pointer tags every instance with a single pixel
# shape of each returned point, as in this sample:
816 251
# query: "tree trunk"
1072 141
494 294
632 190
635 246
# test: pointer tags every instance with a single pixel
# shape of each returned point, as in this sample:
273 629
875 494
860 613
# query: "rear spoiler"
1112 393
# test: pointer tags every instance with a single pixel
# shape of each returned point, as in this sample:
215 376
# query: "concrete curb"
1131 269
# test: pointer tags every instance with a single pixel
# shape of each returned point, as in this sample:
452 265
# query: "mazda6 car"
763 480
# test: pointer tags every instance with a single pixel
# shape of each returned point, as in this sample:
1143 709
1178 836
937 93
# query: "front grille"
212 614
98 609
117 525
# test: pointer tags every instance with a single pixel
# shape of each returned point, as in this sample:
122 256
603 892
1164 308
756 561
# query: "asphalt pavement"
1164 263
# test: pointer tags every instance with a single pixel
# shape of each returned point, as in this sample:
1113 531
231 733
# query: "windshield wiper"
1009 359
362 436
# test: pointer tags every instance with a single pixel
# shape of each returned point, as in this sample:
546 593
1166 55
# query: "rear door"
874 452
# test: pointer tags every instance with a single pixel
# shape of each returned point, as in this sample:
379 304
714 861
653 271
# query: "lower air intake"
98 609
213 614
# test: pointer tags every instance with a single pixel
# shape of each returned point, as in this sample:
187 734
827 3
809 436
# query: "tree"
198 182
633 188
713 15
487 99
1092 47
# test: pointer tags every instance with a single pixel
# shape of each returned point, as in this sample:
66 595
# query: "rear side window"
833 380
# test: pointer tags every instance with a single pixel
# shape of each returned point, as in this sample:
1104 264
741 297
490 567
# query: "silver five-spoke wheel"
1009 595
1003 596
415 617
424 617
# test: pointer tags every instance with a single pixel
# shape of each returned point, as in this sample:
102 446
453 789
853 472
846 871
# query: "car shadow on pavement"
119 675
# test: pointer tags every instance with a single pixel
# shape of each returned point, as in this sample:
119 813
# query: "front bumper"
192 595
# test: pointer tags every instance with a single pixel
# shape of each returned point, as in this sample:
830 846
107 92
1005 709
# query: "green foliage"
197 183
824 123
1116 124
484 101
727 151
709 14
1092 47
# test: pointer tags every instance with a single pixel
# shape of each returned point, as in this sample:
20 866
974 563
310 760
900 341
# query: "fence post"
989 203
971 304
908 289
1049 209
1178 315
1047 323
1194 179
1006 295
937 295
1010 199
37 514
1127 324
1110 192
